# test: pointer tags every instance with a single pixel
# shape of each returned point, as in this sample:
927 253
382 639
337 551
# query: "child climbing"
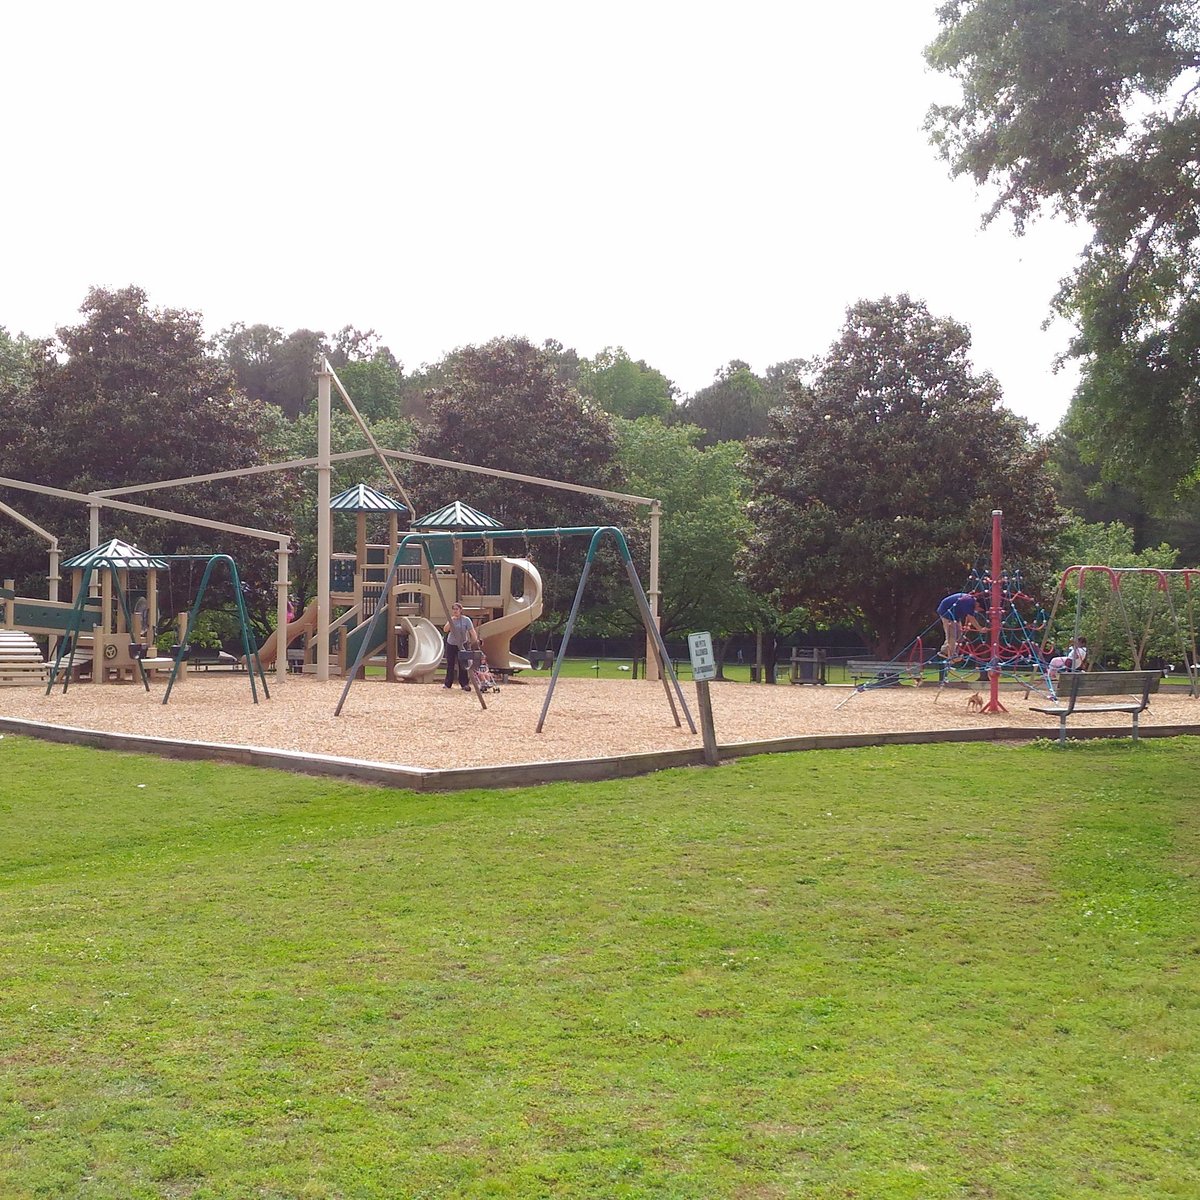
957 612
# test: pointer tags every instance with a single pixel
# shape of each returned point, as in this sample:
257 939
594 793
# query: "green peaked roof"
457 515
364 498
116 553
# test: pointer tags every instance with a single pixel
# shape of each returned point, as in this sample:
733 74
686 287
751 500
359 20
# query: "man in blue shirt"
958 610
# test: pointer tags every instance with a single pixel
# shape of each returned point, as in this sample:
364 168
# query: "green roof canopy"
117 553
457 515
364 498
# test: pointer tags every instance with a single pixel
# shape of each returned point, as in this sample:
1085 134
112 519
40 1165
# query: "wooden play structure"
115 642
501 594
111 633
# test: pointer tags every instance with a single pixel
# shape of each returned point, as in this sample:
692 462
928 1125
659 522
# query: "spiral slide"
306 622
519 611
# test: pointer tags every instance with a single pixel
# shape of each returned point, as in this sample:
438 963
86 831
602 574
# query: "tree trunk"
720 649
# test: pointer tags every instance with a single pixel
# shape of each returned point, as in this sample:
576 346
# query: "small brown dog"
975 703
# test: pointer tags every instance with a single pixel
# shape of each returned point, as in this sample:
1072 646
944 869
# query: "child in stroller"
481 673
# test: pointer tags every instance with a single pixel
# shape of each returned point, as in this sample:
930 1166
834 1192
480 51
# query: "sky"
693 182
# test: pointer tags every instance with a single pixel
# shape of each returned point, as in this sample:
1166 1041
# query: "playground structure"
1009 644
502 593
1019 645
103 637
108 638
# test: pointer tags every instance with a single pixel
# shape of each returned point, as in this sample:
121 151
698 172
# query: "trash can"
807 666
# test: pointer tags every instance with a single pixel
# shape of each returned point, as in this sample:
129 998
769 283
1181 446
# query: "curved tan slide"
306 622
519 611
425 648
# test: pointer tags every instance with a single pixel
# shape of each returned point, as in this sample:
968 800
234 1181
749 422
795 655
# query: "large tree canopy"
503 405
624 387
703 526
871 497
1090 109
131 396
733 407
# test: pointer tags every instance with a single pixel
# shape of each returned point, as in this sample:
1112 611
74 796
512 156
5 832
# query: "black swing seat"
1136 685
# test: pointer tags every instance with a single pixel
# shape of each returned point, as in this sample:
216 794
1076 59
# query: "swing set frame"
1163 578
597 534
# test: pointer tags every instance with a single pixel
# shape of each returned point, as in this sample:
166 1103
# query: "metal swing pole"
1182 641
566 637
993 705
75 626
1191 661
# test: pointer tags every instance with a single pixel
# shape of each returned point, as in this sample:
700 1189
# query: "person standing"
460 636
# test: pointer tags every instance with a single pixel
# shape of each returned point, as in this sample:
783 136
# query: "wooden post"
324 524
704 702
654 595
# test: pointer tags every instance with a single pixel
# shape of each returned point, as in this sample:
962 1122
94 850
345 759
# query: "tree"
703 526
1106 619
16 362
273 367
626 388
131 396
1090 109
871 498
375 384
732 408
1082 489
503 406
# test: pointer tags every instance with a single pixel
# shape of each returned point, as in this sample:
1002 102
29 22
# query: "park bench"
883 674
1136 685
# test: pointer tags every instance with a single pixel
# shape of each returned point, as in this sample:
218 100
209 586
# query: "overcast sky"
695 182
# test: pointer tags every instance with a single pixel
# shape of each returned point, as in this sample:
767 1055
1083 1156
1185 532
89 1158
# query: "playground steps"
21 662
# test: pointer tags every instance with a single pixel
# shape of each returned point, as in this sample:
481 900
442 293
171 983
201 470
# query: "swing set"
1155 591
102 570
597 534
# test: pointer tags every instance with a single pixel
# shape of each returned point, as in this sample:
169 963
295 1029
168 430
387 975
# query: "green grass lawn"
956 971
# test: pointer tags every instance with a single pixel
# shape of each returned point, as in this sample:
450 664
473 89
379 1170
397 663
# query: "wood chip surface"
423 725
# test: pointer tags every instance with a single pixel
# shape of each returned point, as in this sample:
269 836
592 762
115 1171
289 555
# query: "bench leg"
1062 731
1135 726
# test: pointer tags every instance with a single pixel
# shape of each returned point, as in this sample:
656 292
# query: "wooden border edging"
514 775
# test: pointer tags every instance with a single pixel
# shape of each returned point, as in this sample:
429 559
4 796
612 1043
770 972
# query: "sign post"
704 668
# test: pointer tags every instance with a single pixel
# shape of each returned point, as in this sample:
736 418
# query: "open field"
903 972
423 725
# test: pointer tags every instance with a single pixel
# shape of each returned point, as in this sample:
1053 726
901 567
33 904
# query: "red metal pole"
993 705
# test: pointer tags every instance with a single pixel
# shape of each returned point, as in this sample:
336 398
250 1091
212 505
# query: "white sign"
704 662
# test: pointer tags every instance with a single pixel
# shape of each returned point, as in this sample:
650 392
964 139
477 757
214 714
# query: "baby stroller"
481 673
